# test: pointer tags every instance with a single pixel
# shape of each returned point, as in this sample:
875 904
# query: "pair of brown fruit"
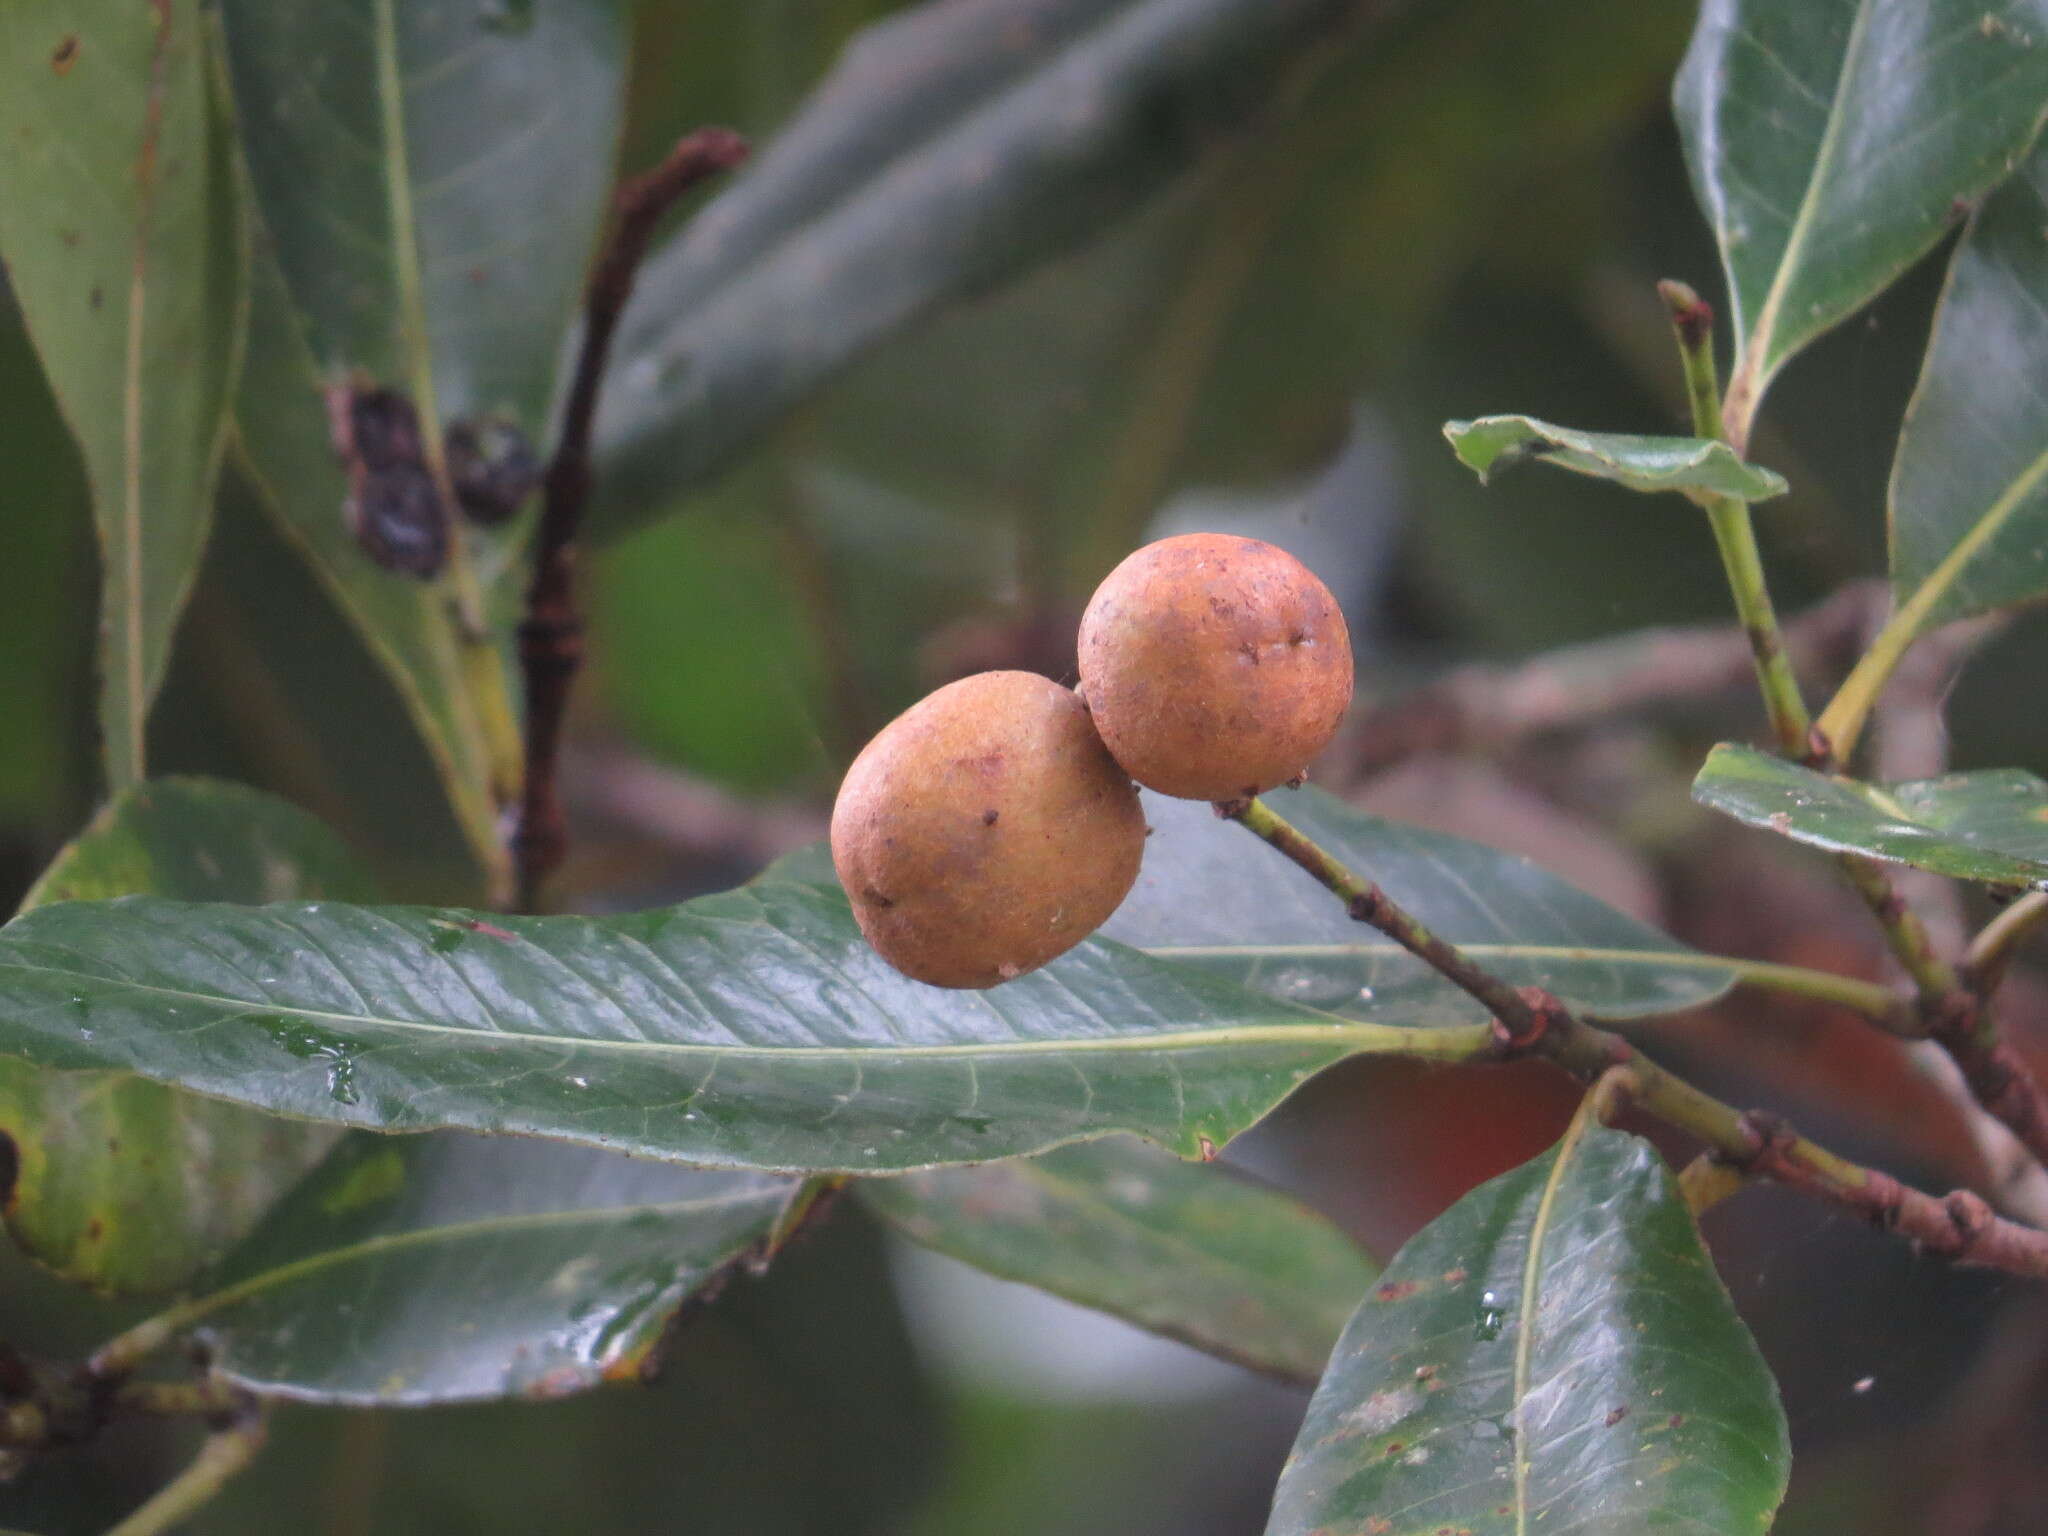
994 825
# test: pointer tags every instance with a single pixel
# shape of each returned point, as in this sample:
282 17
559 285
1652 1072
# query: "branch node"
1971 1216
1691 315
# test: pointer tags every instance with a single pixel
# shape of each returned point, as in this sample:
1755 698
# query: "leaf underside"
1694 465
436 1269
1969 491
1192 1251
953 147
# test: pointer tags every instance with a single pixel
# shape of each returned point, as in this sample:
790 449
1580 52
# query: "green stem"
225 1453
1879 1004
1735 537
120 1355
1934 979
1948 1011
1692 322
1959 1225
176 1399
1992 950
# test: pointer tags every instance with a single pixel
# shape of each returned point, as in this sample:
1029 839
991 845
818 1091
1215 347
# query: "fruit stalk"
1524 1014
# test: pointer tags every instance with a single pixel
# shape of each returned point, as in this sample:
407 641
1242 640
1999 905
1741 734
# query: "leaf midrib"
127 767
1648 958
1755 360
1532 1276
1338 1031
1913 615
458 1231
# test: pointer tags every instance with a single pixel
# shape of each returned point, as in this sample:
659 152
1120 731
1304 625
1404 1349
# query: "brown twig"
1949 1012
1958 1225
1523 1015
1531 1022
551 636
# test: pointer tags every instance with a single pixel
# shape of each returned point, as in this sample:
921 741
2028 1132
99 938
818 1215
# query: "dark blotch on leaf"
66 54
10 1169
393 509
492 467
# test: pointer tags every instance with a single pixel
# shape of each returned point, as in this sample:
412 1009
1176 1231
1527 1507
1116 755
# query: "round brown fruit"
985 830
1215 666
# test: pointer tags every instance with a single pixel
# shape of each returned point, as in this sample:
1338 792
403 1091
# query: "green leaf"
1969 493
1553 1353
440 1269
1210 898
1694 465
124 245
431 179
121 1183
952 147
757 1029
752 1029
1990 826
285 457
1195 1252
1832 143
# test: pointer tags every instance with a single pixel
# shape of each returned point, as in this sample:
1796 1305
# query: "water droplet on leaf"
1488 1317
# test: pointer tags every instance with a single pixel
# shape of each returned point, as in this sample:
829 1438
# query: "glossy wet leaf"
1553 1353
1969 494
283 452
122 1183
714 1032
433 1269
750 1029
1990 826
1496 443
1832 142
431 179
953 146
123 242
1212 898
1193 1251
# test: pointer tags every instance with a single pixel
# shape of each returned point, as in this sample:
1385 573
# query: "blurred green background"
1463 211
